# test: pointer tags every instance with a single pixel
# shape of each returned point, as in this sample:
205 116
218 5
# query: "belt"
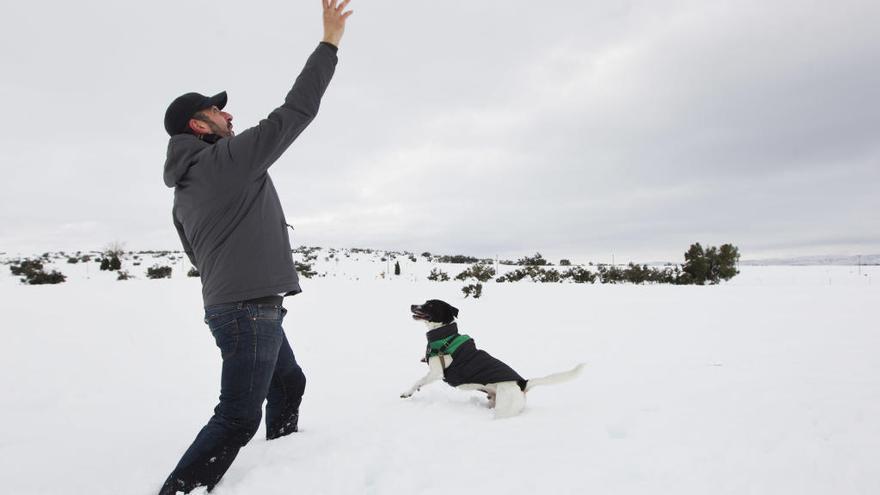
275 300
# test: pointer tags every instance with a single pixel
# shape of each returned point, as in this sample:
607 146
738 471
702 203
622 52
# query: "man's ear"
198 127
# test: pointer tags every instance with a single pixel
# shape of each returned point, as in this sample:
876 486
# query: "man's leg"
249 339
285 394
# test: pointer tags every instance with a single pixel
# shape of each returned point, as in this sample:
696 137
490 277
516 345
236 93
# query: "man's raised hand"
334 20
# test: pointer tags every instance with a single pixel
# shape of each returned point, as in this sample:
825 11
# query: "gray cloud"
579 129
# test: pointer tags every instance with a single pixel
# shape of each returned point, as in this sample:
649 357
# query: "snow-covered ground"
769 384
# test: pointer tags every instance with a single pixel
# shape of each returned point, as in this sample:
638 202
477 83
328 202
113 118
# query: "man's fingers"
345 15
332 4
326 4
342 5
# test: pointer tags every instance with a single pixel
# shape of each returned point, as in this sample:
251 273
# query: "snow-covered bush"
157 271
438 275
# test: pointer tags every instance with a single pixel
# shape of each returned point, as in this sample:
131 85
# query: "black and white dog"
455 358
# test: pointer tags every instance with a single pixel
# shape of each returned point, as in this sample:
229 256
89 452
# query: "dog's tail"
555 378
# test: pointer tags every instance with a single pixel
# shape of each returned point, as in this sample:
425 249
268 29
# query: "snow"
767 384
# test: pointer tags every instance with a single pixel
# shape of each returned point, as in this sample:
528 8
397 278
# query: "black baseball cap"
184 107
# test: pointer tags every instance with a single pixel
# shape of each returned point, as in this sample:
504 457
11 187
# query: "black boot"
286 426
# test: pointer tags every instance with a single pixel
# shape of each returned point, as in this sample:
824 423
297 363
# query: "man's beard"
220 131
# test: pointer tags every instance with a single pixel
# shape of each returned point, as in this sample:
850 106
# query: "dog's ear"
453 310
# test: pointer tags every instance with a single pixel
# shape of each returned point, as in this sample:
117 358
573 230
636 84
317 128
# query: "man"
233 229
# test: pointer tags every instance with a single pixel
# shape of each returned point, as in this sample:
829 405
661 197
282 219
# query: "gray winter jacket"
226 210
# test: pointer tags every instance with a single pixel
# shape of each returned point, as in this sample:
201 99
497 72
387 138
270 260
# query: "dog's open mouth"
418 314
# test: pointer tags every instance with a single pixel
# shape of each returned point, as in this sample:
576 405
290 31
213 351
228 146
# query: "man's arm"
257 148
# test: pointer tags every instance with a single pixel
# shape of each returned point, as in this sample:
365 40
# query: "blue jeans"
258 365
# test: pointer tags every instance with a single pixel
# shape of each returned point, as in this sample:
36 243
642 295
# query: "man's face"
213 121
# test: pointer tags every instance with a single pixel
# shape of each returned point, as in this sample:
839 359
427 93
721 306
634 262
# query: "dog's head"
434 311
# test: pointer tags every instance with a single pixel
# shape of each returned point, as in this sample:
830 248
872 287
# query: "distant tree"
696 266
710 265
115 248
636 274
564 262
536 260
397 268
724 266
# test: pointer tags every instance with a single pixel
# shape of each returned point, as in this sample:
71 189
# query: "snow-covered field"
769 384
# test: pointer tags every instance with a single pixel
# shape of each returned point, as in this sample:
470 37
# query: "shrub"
579 275
111 263
667 275
41 277
480 272
534 273
157 271
397 268
475 290
193 272
25 267
564 262
636 274
124 275
304 269
610 274
438 275
457 259
32 273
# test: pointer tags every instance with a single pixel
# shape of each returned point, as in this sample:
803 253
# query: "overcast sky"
575 128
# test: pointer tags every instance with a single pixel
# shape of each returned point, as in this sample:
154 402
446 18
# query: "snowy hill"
870 259
767 385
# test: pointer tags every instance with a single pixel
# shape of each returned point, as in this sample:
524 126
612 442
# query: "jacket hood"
182 152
